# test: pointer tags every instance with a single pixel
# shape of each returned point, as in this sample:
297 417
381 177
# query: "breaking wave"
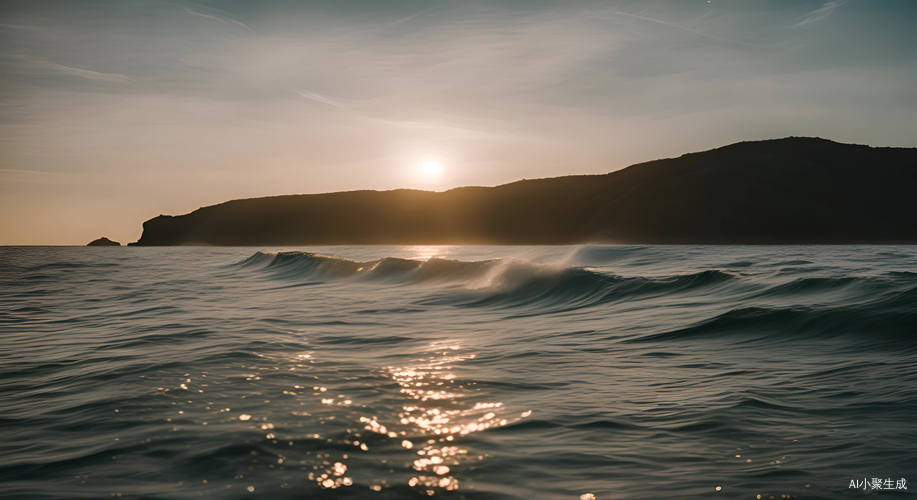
493 282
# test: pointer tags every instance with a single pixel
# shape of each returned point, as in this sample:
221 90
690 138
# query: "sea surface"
558 372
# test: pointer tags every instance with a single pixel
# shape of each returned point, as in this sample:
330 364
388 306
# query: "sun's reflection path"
440 411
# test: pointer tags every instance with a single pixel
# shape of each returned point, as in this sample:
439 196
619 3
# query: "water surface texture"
458 372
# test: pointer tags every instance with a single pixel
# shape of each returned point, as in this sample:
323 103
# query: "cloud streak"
820 13
86 74
319 98
675 26
221 19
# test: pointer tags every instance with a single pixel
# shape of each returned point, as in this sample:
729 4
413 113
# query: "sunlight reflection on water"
438 409
440 413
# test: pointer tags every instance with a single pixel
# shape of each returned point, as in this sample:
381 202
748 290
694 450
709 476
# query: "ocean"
554 372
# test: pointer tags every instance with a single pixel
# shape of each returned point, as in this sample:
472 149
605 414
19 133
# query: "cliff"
792 190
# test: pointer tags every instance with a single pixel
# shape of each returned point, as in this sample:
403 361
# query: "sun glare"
431 170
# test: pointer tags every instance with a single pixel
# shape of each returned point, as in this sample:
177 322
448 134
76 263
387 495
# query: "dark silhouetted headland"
103 242
792 190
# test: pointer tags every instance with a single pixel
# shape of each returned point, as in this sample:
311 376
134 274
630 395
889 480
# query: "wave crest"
890 319
292 265
509 283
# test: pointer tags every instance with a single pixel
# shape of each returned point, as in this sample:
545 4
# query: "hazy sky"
112 112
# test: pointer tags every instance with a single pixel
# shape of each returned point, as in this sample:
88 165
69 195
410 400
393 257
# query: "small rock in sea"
103 242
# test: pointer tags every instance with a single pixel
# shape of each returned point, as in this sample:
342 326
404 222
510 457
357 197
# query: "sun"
431 170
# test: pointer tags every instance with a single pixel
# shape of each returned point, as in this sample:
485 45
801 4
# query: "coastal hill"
792 190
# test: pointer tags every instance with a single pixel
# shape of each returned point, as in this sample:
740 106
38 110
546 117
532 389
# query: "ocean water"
624 372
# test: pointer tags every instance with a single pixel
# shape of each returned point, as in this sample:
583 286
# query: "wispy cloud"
222 19
405 18
354 111
22 27
820 13
18 176
16 171
675 26
84 73
314 96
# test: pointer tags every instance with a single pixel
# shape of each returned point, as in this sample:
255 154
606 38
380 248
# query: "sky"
113 112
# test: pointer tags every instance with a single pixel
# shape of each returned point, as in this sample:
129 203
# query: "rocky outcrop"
103 242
